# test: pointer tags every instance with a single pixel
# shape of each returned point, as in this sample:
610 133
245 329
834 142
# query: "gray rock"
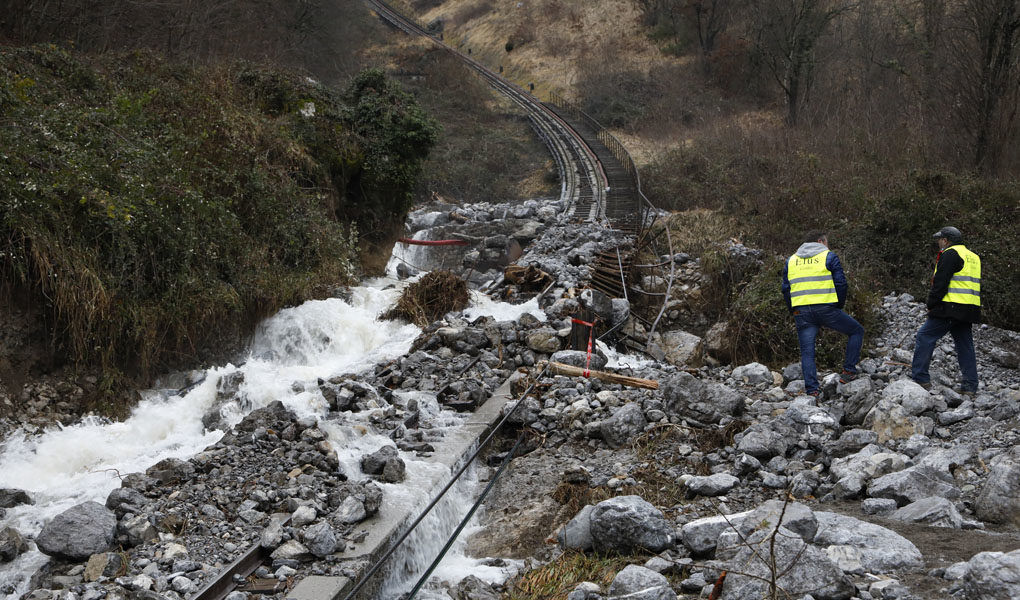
320 539
578 358
626 422
875 548
796 517
891 422
803 569
544 340
12 544
999 499
11 497
136 530
576 534
682 349
291 550
125 499
701 535
639 583
753 373
686 396
628 523
182 585
103 564
911 485
712 485
272 535
934 511
857 407
792 371
911 396
385 464
992 576
352 510
79 532
473 588
170 470
853 441
765 440
878 506
304 515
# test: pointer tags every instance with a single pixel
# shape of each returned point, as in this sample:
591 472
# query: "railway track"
599 183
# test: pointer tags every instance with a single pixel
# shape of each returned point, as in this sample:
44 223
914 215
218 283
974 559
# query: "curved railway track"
599 183
582 169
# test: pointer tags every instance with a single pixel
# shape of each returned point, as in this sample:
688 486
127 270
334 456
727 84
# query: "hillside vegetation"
153 209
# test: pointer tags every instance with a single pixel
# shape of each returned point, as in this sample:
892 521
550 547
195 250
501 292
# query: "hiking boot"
926 385
967 393
817 394
847 376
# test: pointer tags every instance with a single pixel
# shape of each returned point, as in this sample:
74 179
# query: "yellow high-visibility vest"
965 286
810 280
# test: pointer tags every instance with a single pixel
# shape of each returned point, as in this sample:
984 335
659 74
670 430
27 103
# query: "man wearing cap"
954 305
815 290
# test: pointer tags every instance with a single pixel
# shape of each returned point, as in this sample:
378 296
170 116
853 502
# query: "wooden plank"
571 371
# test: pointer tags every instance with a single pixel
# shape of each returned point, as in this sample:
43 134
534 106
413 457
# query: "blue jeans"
809 320
929 334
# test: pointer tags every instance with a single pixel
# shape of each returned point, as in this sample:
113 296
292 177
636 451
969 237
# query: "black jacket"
949 262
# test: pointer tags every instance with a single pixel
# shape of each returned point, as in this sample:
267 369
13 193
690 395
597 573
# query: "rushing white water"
319 339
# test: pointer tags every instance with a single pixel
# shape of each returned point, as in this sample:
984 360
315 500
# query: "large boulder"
682 349
799 569
640 583
702 535
765 440
796 517
870 547
999 500
992 576
79 532
625 423
913 484
911 396
628 523
686 396
934 511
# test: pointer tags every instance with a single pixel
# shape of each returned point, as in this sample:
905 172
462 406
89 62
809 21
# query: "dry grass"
558 578
429 298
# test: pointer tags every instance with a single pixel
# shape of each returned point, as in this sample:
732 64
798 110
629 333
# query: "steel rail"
579 147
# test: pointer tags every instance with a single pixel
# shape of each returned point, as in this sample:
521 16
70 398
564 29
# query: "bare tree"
785 36
986 64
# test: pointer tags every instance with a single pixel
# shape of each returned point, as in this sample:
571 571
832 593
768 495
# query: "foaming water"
484 306
290 351
66 466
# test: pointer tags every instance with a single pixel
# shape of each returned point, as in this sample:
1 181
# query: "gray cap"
951 234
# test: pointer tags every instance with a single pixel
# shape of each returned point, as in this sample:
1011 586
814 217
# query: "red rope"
433 242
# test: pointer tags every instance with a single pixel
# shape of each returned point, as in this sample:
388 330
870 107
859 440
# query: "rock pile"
686 476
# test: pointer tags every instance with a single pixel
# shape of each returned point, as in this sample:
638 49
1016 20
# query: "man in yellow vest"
954 305
815 290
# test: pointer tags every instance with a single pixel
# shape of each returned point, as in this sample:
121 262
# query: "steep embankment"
152 212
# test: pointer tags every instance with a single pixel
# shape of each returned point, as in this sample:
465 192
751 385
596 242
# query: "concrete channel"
388 525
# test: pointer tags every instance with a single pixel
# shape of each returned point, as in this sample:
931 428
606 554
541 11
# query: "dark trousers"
809 320
924 346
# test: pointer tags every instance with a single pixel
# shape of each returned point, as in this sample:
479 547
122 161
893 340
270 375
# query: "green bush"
156 210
